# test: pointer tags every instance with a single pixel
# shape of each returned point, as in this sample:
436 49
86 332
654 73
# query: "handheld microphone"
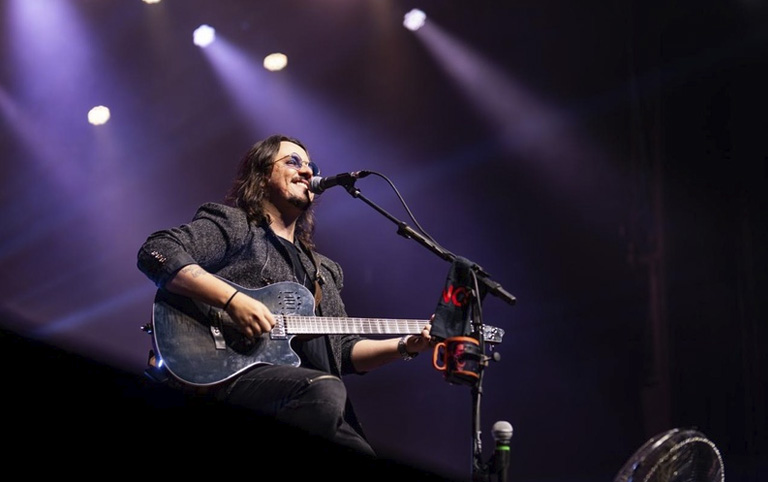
502 434
319 184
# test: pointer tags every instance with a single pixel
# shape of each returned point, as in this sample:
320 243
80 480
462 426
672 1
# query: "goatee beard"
302 203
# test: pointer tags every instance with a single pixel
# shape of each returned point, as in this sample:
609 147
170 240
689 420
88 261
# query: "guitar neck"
305 325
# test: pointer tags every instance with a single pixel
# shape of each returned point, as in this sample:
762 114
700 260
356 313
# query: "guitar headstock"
492 334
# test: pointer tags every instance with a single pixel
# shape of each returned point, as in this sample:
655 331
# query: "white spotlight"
204 35
276 61
414 19
98 115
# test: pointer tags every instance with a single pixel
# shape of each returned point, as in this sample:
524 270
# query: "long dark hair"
249 187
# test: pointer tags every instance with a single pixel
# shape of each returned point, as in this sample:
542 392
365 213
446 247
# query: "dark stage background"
604 161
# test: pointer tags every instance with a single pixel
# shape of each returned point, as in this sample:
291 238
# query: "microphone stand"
481 472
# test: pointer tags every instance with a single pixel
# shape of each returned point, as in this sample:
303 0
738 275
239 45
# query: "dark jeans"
308 399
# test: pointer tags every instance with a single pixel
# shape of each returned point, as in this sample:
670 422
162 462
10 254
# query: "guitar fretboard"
303 325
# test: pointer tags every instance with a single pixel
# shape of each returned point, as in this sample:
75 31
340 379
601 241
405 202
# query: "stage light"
414 19
98 115
204 35
276 61
151 1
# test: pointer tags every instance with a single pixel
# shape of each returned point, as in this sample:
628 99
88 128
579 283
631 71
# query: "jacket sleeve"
215 231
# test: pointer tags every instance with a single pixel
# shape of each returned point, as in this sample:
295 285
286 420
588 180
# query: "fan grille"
678 455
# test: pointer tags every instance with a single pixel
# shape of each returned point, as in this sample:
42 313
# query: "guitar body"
200 345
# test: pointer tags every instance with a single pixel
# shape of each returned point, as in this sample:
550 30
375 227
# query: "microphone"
319 184
502 434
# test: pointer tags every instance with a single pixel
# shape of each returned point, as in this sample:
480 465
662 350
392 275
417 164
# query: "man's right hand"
251 316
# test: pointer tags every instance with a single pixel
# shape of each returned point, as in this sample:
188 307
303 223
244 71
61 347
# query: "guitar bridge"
278 331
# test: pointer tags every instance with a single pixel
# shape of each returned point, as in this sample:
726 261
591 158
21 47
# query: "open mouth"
304 182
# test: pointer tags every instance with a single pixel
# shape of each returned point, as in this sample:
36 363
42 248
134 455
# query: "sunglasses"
295 162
